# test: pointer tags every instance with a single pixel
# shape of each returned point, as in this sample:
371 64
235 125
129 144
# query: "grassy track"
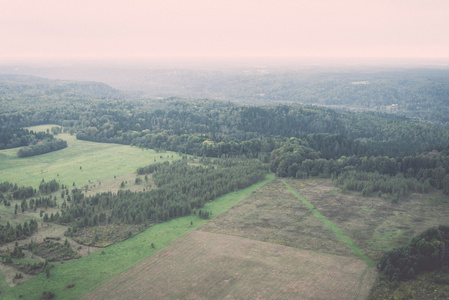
80 162
337 231
93 270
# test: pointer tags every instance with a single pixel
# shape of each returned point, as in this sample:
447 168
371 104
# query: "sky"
53 29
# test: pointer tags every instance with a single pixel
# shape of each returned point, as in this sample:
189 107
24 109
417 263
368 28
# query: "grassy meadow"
92 270
81 162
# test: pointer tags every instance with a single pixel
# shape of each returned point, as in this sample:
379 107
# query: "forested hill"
23 87
296 140
416 92
420 93
178 124
197 127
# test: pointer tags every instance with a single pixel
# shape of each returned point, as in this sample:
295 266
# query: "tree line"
44 146
416 172
182 189
12 137
9 233
201 126
427 252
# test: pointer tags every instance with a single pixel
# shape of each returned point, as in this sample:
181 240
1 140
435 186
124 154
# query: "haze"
50 29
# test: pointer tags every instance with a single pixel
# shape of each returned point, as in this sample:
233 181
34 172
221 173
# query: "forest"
294 140
427 251
227 146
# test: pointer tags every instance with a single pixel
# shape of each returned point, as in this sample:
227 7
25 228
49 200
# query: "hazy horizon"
312 32
224 62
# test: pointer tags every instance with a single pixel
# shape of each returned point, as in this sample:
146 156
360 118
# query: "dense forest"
295 140
415 92
12 137
426 252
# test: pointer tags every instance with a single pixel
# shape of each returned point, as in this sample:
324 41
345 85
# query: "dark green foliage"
181 189
203 214
12 137
427 252
215 129
368 183
47 295
9 233
410 173
17 252
17 192
30 269
445 184
42 147
48 187
53 251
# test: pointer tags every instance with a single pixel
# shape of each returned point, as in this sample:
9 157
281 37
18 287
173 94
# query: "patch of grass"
337 231
81 162
95 269
334 192
385 239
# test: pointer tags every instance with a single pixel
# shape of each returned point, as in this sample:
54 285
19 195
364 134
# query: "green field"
80 162
95 269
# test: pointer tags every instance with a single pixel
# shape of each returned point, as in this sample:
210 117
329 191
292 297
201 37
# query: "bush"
47 295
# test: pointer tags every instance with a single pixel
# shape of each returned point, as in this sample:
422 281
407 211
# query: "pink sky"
281 28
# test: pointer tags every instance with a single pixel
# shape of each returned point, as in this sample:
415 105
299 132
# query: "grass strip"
337 231
362 278
89 272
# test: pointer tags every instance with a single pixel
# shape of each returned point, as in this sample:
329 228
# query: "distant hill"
23 86
418 92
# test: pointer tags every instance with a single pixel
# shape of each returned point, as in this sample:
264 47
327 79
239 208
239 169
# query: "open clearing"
374 224
273 214
82 162
204 265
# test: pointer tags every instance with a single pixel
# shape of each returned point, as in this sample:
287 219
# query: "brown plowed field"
205 265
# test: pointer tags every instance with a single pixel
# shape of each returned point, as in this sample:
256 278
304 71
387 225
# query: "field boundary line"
329 224
362 279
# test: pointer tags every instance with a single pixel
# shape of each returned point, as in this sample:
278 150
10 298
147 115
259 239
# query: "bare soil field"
205 265
272 214
374 224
